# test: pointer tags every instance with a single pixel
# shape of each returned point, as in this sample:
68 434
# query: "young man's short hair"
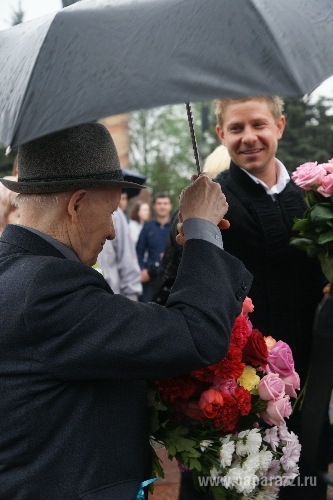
274 103
160 195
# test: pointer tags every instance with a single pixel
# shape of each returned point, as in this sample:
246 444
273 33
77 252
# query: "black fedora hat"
80 157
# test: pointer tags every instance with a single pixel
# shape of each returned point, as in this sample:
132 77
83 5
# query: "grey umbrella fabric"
102 57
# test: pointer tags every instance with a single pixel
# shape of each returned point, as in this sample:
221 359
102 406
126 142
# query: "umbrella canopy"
102 57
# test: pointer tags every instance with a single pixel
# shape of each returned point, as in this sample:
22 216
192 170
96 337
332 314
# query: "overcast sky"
37 8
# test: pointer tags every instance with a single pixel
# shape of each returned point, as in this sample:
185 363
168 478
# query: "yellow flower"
249 378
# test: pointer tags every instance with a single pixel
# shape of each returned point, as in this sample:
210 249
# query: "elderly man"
74 356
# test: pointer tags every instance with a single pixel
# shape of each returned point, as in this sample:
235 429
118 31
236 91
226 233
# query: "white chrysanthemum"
251 464
241 447
225 439
253 441
272 438
226 452
214 473
249 442
265 458
205 443
240 480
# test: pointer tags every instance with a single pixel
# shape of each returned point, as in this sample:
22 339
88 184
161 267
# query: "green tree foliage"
309 132
17 15
66 3
161 147
6 162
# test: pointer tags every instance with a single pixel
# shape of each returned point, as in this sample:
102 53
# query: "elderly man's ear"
75 204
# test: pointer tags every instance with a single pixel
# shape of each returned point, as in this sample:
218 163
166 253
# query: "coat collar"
26 240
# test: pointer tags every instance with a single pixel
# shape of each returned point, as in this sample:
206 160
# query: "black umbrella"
102 57
132 176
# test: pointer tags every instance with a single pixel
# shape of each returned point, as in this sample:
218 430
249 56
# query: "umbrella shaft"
194 141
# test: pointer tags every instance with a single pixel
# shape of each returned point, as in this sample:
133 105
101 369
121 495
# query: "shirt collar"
65 250
282 179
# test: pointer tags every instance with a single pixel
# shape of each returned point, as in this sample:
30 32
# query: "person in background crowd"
139 214
118 260
74 420
216 162
123 203
9 212
152 242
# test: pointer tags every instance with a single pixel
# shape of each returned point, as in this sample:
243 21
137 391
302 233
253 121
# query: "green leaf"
325 237
157 469
301 225
302 243
194 464
321 213
219 492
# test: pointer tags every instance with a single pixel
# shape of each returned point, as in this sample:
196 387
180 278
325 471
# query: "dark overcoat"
74 358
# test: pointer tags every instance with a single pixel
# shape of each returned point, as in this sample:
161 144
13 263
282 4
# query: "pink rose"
308 174
292 383
326 188
271 387
280 360
277 411
248 306
328 166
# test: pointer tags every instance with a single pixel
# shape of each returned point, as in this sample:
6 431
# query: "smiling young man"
263 202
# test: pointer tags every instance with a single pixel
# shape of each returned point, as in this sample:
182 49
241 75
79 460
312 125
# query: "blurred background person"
9 213
216 162
118 260
152 242
139 214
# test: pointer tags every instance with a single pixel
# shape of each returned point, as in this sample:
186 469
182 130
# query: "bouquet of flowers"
226 422
316 227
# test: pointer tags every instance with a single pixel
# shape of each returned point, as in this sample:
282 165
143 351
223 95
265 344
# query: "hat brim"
63 186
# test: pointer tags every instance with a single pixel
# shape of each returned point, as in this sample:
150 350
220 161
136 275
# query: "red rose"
203 374
177 387
231 366
240 332
255 350
190 409
227 415
209 402
243 398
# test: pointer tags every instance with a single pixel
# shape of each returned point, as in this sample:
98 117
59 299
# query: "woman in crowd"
140 214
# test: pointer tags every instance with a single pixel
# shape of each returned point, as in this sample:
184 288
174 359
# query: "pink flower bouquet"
316 227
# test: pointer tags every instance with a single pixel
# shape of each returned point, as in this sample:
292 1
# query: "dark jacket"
287 284
74 357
